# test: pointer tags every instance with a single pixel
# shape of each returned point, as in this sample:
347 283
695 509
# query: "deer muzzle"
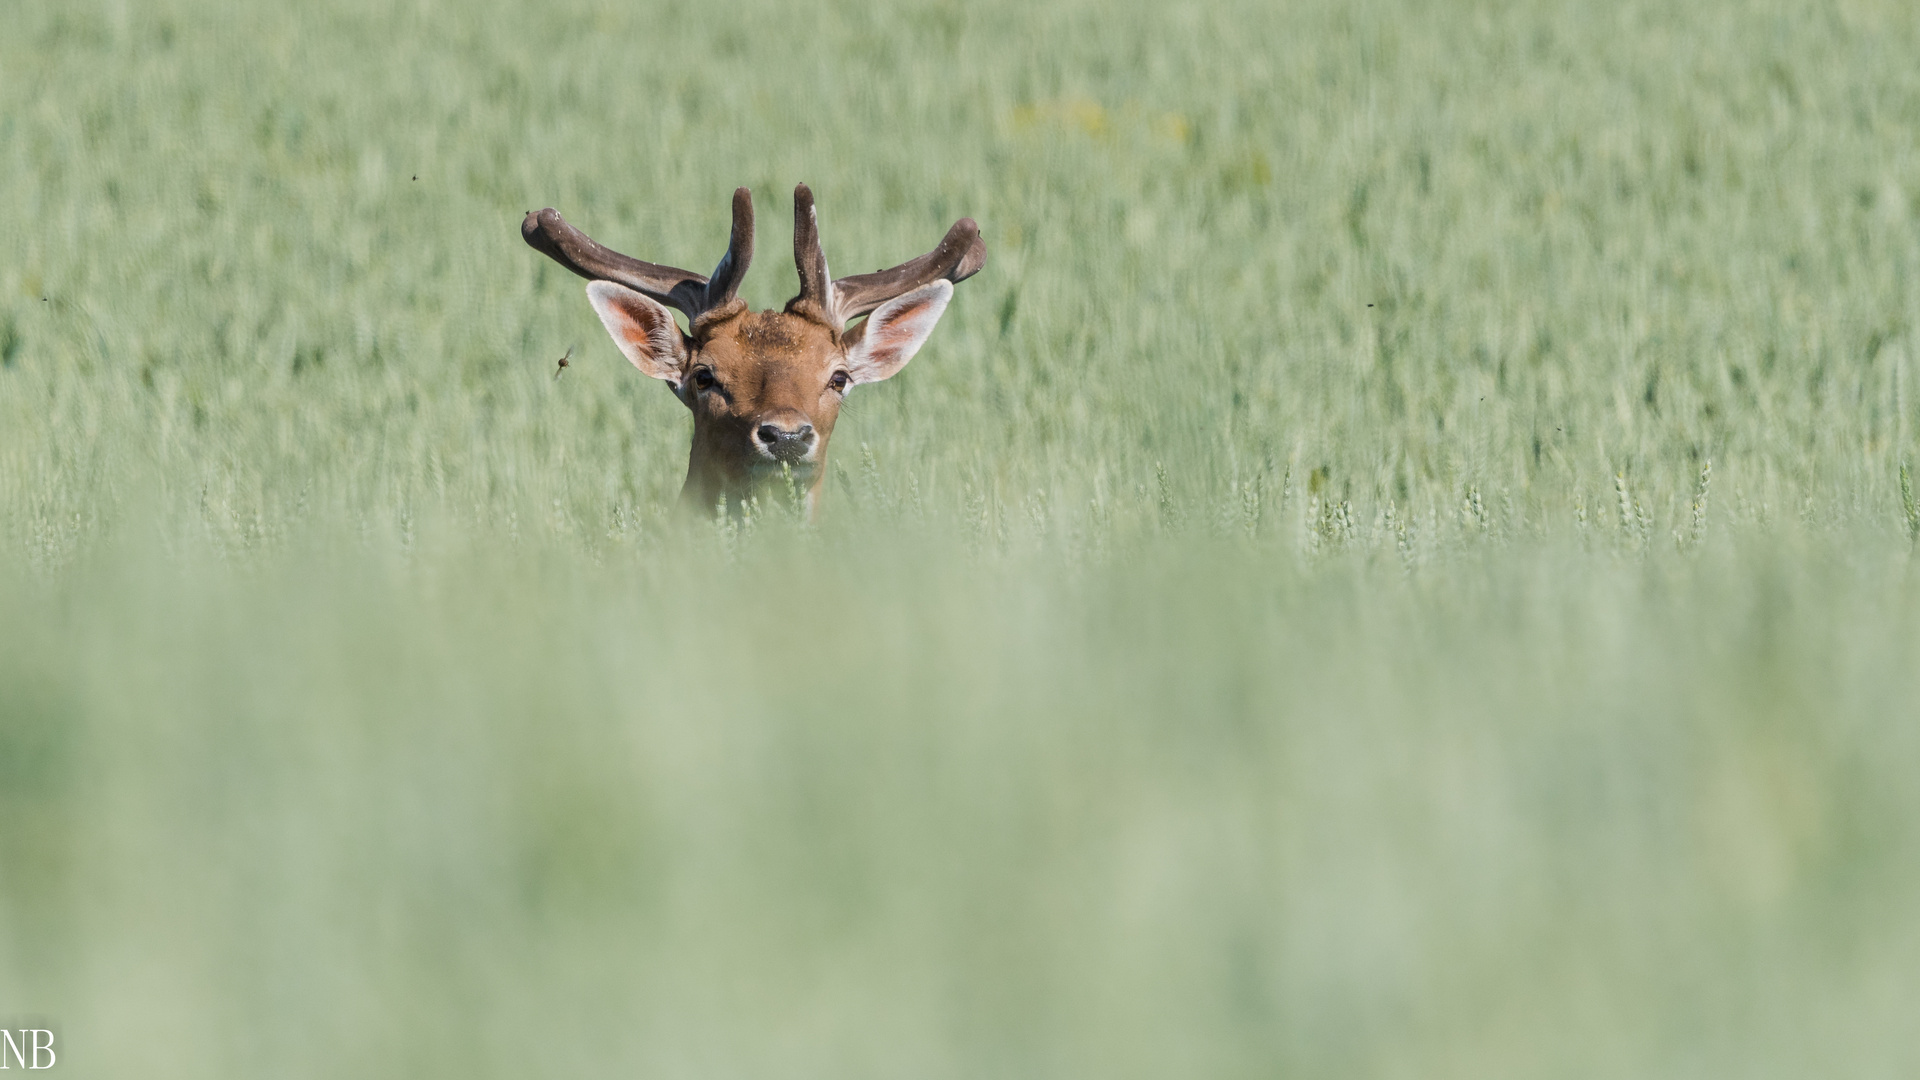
786 438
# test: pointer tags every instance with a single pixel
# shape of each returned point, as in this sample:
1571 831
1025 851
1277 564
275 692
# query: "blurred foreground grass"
1397 568
1189 814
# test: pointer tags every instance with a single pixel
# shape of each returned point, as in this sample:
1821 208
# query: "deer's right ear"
644 330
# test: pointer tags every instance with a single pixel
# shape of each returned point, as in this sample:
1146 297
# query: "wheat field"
1402 565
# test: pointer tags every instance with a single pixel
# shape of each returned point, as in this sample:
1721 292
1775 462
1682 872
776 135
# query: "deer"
764 387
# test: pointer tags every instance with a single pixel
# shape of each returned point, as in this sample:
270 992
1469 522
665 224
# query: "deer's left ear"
895 331
645 331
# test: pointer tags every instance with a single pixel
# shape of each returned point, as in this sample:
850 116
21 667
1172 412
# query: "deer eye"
839 381
702 379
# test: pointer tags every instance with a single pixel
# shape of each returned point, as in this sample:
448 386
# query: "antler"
547 232
816 288
960 256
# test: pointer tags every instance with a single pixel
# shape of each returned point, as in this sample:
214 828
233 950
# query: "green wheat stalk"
1907 502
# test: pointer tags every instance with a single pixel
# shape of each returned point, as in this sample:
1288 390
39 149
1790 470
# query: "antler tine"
816 288
724 287
696 296
548 233
960 255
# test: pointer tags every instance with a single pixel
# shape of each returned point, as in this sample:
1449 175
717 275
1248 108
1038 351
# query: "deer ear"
895 331
644 330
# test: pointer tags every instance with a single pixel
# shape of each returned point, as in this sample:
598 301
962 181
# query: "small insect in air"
562 368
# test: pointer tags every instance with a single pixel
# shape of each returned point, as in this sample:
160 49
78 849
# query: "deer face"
764 387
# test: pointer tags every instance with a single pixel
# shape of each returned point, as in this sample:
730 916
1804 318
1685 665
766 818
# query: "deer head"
764 386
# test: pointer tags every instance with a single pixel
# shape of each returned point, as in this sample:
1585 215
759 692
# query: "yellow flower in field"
1083 113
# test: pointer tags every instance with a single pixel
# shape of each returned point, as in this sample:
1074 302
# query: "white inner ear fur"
644 331
896 330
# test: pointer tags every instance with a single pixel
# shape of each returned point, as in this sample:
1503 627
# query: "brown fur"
773 372
768 367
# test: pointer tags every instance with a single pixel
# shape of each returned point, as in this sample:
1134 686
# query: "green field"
1399 566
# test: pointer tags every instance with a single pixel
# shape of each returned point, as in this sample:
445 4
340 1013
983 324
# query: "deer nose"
789 441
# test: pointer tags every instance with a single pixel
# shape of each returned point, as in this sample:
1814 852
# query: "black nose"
786 443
